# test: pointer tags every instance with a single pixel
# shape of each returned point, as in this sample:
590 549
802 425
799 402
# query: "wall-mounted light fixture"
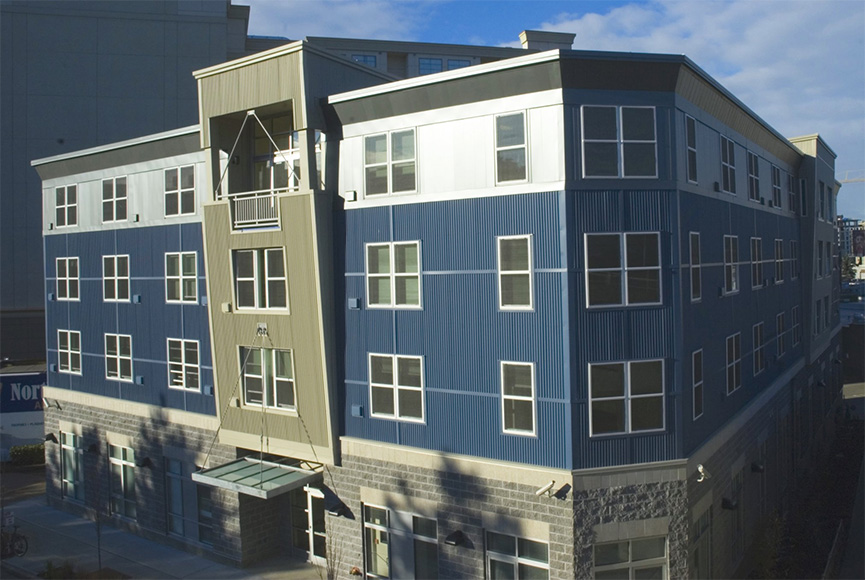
51 437
702 474
457 538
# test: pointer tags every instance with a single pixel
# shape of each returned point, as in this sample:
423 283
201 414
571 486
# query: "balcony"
255 209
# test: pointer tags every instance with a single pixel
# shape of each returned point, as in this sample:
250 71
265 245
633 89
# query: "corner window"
67 279
115 278
779 261
515 272
691 140
390 163
515 557
393 275
72 466
781 327
643 558
66 206
756 263
260 279
118 357
511 148
396 387
623 269
121 460
753 177
180 191
731 264
728 166
626 397
69 351
114 200
183 371
427 66
268 378
696 268
518 397
776 186
734 362
759 357
697 382
619 142
181 277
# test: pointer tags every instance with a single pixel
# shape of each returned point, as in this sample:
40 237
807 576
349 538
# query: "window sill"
398 419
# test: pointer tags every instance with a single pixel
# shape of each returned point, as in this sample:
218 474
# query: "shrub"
28 454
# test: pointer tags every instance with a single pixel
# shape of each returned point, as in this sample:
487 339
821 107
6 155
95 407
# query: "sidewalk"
60 537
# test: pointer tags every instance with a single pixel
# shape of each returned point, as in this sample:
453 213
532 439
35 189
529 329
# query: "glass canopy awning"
259 478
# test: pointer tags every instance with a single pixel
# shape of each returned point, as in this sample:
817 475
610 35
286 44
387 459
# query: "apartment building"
522 318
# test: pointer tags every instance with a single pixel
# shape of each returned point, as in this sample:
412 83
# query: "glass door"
307 524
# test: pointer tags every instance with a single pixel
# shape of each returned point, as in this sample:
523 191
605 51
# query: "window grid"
731 264
637 558
696 268
180 191
511 148
734 362
691 139
759 353
626 397
623 269
794 259
366 59
393 275
619 142
514 262
779 261
819 273
753 177
776 186
697 382
114 200
181 277
518 397
728 166
781 327
791 193
122 463
69 351
183 364
67 279
396 387
260 279
268 378
427 66
756 263
390 163
118 357
515 557
456 63
66 206
72 466
115 278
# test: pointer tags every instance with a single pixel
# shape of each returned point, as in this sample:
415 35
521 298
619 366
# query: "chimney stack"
541 40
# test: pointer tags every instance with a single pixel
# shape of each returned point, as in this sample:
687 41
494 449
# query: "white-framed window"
753 177
66 206
696 267
731 264
376 541
638 558
828 262
115 278
821 213
69 351
791 193
67 279
180 191
268 378
181 277
794 259
623 269
511 148
701 556
691 142
820 266
796 326
759 348
400 543
123 498
183 364
515 557
776 186
756 263
626 397
72 466
779 261
260 280
728 166
734 362
697 382
619 142
393 275
428 66
118 357
114 200
390 163
518 397
781 327
514 258
367 59
396 387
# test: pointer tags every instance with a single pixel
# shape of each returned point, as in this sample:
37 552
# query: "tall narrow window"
753 177
756 263
697 381
72 466
731 264
623 269
183 370
791 193
728 166
69 351
260 279
515 272
514 557
114 199
66 206
803 197
180 191
115 278
268 377
794 259
776 186
759 357
696 268
118 357
796 326
738 514
122 492
819 272
396 387
818 320
67 278
691 132
779 261
181 277
734 362
619 142
393 275
390 162
511 149
820 211
376 541
781 328
518 397
626 397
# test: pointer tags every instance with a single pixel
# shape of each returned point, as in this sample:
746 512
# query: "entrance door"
307 523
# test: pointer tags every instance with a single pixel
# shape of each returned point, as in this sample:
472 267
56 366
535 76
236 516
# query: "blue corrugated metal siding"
148 322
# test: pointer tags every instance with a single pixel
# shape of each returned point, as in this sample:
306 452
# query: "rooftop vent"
541 40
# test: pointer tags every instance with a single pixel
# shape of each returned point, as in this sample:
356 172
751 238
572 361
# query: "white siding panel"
546 144
456 156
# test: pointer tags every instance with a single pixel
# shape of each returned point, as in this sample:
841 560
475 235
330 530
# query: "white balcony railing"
255 209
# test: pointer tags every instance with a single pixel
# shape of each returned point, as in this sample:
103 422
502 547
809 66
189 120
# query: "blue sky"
800 65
